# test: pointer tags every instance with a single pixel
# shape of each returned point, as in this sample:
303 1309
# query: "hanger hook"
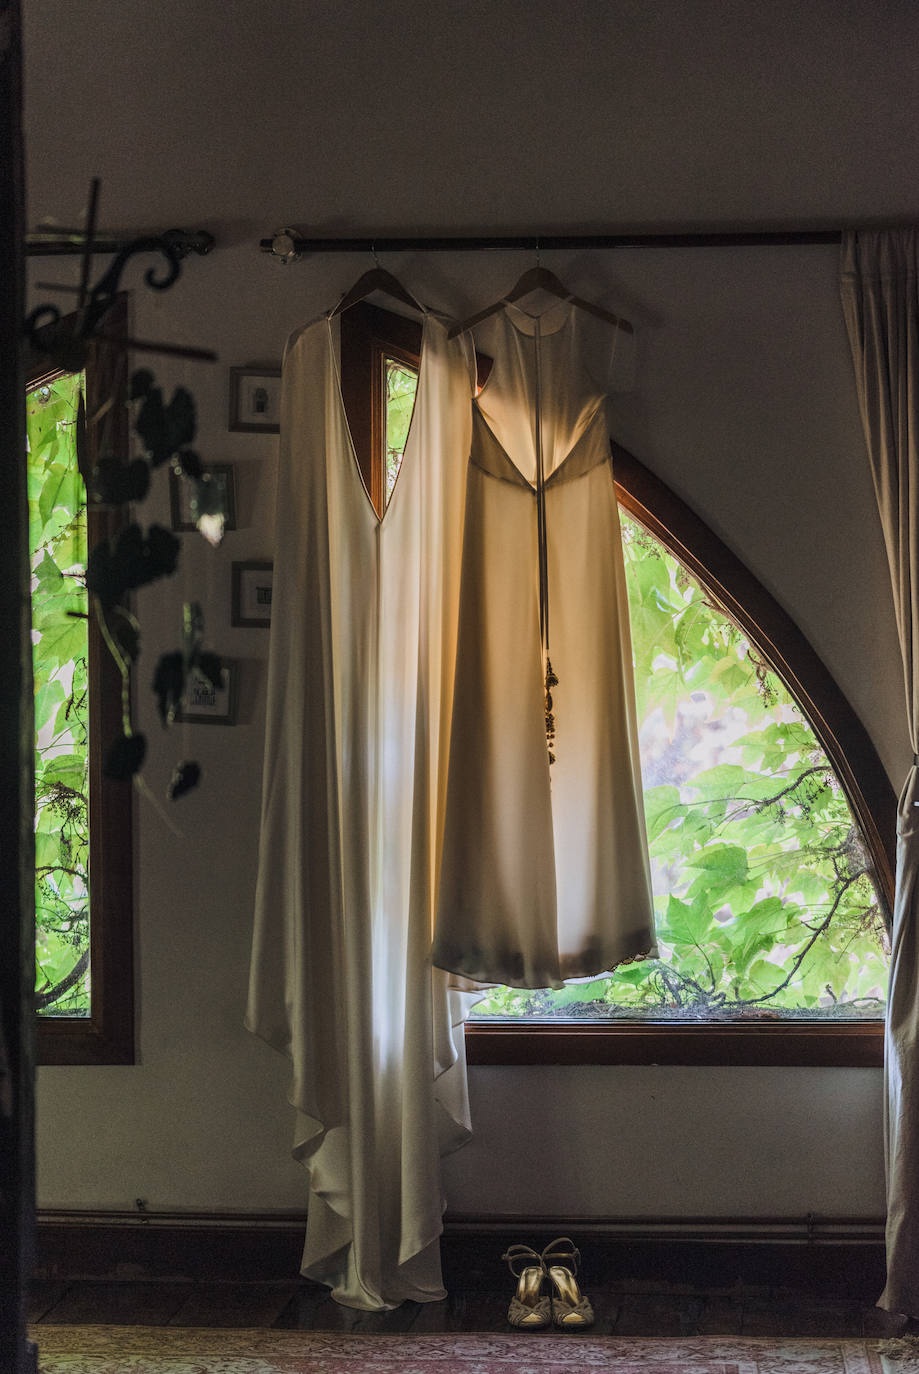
373 254
537 252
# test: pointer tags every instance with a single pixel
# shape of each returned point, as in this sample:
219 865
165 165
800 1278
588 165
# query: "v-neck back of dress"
538 373
337 394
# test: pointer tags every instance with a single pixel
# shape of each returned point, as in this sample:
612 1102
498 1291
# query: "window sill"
79 1040
837 1045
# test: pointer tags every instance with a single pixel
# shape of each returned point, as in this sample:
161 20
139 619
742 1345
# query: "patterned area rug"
177 1350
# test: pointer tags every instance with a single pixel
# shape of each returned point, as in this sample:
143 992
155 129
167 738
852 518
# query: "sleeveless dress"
363 639
545 872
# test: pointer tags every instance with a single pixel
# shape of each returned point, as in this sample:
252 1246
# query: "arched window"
766 900
829 839
770 818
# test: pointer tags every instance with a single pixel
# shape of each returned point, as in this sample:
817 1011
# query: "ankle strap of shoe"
524 1256
559 1250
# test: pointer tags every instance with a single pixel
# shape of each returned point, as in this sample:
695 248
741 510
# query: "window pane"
400 385
764 896
57 541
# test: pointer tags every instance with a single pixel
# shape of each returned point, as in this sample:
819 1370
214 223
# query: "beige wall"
741 399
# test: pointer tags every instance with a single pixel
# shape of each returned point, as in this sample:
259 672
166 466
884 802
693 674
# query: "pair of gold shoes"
547 1288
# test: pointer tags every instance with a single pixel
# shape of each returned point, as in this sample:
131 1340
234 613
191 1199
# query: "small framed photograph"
255 400
183 497
251 594
205 704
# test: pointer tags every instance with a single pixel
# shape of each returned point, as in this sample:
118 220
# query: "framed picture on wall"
255 400
250 602
184 503
205 704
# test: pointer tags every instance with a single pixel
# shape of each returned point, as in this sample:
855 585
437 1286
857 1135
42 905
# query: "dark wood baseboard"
844 1256
186 1246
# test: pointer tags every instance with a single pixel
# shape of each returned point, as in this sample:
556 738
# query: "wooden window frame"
368 334
368 337
106 1036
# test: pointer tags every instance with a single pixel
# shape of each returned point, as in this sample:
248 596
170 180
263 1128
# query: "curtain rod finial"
283 246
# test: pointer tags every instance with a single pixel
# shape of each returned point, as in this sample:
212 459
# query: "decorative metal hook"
108 284
41 326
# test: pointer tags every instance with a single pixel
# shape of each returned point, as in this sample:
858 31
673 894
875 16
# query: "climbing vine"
64 576
57 541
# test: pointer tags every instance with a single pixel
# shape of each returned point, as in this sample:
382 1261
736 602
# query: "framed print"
255 400
184 503
251 594
208 705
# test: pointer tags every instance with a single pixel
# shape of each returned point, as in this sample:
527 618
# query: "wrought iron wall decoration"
132 557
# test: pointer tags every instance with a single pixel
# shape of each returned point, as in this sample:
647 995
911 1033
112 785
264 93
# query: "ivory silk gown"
363 640
545 870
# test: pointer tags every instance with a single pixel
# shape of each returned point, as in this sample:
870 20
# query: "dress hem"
491 980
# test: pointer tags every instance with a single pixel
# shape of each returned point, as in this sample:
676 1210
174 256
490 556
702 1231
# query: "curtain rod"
288 245
182 241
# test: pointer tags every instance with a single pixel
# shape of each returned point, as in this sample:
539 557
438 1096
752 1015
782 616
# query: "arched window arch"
743 597
763 988
812 761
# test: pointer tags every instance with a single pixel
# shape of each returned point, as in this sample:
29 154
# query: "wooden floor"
644 1298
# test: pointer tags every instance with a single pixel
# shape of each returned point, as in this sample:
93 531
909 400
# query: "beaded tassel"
543 547
551 681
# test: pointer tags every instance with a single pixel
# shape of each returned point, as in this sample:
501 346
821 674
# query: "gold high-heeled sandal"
571 1311
530 1309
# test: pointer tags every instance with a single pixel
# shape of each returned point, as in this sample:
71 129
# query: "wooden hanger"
377 279
539 279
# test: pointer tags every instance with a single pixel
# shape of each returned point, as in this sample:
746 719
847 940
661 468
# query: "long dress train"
363 640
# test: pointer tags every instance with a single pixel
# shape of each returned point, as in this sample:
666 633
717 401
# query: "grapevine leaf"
187 775
141 383
125 757
169 684
210 668
688 924
115 482
165 429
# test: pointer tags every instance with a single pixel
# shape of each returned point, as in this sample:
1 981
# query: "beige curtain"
879 281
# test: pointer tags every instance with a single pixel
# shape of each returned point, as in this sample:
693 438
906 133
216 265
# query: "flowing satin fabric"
546 874
880 297
360 688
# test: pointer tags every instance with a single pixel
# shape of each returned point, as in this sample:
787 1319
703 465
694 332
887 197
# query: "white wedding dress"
546 874
360 687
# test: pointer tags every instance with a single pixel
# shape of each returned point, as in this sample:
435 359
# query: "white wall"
201 1121
742 400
